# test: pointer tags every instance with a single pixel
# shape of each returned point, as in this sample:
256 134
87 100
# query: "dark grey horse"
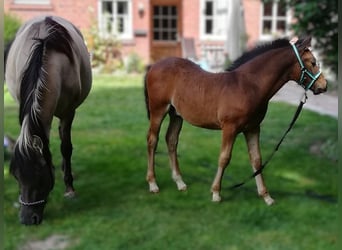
48 72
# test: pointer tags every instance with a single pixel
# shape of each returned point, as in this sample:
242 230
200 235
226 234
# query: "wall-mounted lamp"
141 9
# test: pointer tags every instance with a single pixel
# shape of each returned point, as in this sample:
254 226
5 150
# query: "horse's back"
173 73
18 55
76 64
193 92
171 65
78 81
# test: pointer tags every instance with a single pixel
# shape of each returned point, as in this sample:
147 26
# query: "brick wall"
252 9
191 24
141 31
83 13
80 13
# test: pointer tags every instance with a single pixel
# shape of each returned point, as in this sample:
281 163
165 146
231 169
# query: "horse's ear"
37 144
304 43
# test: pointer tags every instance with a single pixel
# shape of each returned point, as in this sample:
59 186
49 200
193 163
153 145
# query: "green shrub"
12 24
106 52
227 63
134 64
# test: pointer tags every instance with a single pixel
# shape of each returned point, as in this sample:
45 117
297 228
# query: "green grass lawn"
114 210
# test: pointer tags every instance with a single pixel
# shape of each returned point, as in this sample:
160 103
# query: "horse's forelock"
26 165
23 142
31 153
29 141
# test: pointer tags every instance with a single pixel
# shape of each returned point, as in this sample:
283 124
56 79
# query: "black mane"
276 44
58 39
33 81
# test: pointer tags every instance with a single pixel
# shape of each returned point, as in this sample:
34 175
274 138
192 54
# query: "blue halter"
305 71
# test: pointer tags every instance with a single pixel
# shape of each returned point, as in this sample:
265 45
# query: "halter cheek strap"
305 71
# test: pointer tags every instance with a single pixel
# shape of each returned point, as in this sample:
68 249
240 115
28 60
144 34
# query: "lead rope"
259 171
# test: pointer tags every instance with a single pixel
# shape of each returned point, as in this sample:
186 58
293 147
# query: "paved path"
324 103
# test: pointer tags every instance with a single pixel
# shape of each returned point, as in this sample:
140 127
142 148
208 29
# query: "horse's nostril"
35 219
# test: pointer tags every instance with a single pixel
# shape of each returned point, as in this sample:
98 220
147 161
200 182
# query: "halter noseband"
305 71
30 203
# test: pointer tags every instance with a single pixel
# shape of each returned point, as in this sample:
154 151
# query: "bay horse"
233 101
48 72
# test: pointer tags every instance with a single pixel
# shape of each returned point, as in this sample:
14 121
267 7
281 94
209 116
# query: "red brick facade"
80 12
85 13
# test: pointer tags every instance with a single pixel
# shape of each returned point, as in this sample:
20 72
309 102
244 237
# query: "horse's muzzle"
34 219
319 90
30 216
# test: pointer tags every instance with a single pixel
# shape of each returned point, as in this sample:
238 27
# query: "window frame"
127 34
274 18
33 2
215 18
170 18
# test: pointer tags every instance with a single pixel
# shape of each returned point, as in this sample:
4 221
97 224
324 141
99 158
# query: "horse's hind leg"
252 139
172 135
66 150
228 138
156 119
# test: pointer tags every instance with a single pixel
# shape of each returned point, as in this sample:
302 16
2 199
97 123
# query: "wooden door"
166 29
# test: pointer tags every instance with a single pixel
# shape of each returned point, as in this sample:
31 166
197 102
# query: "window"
32 2
115 18
165 23
274 19
214 15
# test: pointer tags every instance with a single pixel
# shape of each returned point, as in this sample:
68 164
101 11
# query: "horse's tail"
34 77
146 92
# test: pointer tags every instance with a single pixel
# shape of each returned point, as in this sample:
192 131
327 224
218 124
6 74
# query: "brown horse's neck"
274 69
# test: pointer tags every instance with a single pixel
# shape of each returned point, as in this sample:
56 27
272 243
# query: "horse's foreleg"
252 139
66 150
228 137
172 136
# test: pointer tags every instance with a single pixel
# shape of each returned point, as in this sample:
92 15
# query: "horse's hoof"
154 188
216 197
69 194
268 200
182 186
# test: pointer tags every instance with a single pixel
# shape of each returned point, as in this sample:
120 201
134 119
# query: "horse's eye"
313 64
